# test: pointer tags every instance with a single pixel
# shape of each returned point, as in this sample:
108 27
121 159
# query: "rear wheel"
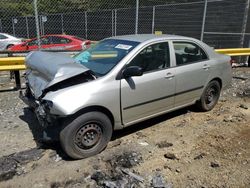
210 96
86 135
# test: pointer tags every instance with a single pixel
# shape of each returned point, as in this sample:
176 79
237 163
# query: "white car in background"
6 41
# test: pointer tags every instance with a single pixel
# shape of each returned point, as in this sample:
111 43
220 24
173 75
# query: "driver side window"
152 58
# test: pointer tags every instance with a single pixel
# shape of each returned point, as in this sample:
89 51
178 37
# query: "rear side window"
60 40
3 37
187 52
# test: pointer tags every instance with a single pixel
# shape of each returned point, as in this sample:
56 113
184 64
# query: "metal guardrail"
17 63
234 51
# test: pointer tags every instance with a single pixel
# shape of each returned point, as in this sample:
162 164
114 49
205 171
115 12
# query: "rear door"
192 71
153 92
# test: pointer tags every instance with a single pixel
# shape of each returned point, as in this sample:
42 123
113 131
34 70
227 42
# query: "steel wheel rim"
211 96
88 135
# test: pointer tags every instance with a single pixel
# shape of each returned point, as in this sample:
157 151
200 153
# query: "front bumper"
49 124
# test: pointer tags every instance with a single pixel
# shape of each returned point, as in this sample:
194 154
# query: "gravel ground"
185 148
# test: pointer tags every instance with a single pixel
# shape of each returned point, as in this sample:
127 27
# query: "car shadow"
149 123
30 118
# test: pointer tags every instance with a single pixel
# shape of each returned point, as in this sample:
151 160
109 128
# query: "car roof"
57 35
145 37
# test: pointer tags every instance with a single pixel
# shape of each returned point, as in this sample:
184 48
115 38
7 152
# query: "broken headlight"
47 105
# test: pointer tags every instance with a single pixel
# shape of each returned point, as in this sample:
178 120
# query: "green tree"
25 7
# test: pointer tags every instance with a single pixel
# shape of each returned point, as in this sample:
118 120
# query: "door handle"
169 75
206 66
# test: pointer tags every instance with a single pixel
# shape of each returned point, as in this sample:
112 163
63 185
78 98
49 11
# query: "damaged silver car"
118 82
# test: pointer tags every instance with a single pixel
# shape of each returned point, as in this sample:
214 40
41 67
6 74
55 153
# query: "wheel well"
98 109
218 80
9 45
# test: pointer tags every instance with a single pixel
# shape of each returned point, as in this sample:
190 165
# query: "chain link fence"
219 23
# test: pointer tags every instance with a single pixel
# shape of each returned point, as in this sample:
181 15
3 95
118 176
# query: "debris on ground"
11 165
58 158
140 135
214 164
200 156
171 156
243 106
164 144
116 178
100 177
239 117
24 157
246 92
7 168
126 160
132 175
159 182
143 143
239 77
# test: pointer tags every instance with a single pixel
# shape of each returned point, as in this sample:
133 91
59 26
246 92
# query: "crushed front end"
50 124
48 72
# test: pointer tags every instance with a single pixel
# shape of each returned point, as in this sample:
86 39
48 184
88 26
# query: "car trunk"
51 71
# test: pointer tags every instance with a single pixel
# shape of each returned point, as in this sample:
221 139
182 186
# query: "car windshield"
105 55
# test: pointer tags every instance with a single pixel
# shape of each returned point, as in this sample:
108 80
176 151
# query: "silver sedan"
118 82
7 41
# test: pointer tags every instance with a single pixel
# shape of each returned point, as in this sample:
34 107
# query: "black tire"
210 96
86 135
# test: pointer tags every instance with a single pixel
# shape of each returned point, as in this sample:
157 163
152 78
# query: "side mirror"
132 71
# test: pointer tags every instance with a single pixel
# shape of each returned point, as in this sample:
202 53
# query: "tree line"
25 7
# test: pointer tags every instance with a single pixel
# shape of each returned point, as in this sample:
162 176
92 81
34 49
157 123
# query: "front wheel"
87 135
210 96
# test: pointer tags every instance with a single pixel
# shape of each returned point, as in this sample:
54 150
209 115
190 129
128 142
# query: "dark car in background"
54 42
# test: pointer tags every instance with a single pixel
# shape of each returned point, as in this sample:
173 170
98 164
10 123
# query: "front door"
151 93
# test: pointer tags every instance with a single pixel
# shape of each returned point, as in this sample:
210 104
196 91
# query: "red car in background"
53 42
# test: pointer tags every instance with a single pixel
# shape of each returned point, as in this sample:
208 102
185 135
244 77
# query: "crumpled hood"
45 69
